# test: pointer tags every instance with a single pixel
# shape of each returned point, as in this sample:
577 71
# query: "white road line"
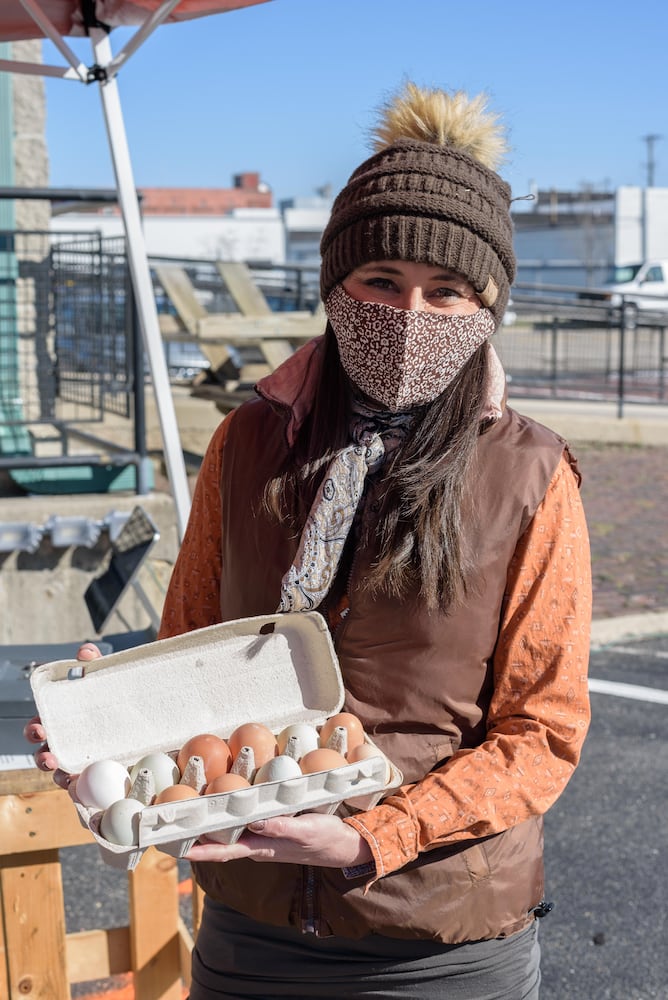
15 762
634 691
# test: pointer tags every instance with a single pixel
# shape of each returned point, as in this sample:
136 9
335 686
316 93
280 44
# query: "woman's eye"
379 283
445 293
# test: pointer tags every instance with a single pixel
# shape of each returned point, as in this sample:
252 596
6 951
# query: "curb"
605 631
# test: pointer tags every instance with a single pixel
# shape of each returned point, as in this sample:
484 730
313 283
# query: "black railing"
69 350
572 343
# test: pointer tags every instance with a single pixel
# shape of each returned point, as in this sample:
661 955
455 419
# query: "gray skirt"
236 957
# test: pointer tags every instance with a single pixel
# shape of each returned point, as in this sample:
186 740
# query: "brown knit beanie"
428 196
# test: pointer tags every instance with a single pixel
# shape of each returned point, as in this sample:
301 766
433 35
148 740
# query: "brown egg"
321 760
226 783
364 751
259 738
174 792
214 751
352 725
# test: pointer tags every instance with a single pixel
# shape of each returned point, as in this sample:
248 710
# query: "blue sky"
289 88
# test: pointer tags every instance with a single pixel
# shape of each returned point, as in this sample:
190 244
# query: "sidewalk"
641 424
597 424
606 631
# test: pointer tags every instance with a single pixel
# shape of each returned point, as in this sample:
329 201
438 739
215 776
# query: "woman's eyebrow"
385 268
390 269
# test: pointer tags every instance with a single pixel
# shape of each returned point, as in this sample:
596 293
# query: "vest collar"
291 387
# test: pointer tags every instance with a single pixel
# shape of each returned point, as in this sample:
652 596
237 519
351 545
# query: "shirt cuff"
391 837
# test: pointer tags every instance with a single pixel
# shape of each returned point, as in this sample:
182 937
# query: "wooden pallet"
38 958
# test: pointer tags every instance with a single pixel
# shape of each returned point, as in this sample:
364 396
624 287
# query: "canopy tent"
56 20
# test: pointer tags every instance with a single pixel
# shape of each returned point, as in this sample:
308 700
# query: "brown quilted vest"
421 684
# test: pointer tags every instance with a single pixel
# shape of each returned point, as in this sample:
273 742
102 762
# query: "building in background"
577 238
582 238
237 223
304 220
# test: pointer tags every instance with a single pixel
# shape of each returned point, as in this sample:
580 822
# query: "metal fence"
93 325
68 351
566 343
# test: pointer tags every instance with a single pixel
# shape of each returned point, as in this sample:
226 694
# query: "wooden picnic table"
222 336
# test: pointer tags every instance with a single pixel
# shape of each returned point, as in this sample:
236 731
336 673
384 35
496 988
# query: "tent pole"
141 34
46 25
141 279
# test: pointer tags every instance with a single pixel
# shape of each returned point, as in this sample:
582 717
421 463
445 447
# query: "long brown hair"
419 530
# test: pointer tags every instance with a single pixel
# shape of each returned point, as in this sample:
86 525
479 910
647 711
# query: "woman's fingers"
312 838
88 651
33 731
63 779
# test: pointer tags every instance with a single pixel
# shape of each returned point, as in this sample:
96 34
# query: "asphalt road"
607 842
606 846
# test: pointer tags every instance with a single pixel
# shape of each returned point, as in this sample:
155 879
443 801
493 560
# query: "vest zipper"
308 898
336 634
308 918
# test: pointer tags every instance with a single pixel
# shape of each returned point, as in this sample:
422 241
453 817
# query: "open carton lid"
274 669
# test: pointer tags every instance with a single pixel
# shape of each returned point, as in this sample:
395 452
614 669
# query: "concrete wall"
31 160
42 593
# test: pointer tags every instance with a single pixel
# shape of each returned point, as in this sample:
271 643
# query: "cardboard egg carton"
276 670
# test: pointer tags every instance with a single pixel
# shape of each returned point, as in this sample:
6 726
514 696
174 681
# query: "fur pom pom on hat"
429 194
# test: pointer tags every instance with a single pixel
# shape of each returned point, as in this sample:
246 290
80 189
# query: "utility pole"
650 140
644 194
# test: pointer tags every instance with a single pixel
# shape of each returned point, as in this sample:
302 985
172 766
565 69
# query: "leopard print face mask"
401 357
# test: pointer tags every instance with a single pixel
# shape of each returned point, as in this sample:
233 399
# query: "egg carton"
276 670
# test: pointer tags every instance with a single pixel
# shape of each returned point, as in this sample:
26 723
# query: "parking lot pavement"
607 839
606 845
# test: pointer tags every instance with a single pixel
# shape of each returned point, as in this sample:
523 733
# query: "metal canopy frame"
103 71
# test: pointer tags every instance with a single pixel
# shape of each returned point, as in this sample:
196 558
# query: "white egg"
101 783
307 736
277 769
163 767
119 824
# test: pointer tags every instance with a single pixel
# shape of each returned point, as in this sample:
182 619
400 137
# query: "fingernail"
258 826
87 652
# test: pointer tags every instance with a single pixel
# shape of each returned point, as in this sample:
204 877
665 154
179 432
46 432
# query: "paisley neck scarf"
375 437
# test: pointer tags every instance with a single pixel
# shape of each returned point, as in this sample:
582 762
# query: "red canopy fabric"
16 23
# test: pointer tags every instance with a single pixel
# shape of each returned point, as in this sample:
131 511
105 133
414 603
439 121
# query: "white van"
647 288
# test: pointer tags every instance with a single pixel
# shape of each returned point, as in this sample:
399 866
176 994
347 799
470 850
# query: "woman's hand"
33 731
310 839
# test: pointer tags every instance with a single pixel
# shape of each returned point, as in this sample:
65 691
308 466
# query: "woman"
380 478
